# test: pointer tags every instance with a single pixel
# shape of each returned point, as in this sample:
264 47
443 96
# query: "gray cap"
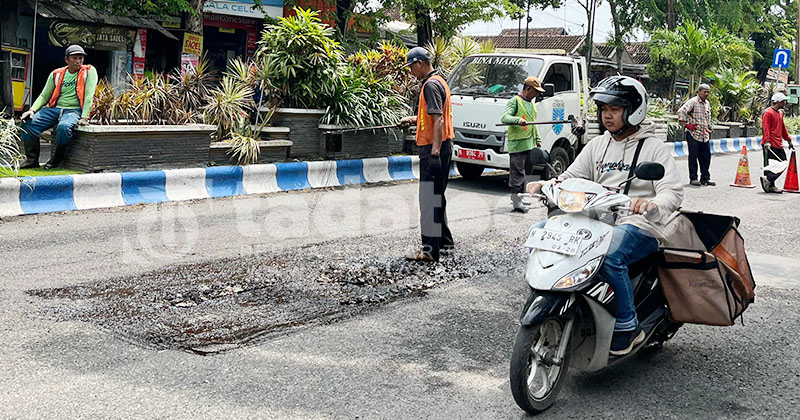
704 86
417 54
74 49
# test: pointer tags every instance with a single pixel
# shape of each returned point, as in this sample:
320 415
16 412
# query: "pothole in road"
223 304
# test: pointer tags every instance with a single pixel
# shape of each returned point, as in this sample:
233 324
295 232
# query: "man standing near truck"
522 138
434 122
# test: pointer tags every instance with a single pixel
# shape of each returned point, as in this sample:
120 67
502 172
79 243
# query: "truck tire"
559 160
469 170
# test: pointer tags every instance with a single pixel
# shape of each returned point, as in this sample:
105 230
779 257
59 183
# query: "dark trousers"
432 202
519 170
699 152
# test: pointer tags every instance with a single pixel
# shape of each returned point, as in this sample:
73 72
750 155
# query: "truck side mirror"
549 90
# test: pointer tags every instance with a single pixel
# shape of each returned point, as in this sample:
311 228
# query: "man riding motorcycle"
608 159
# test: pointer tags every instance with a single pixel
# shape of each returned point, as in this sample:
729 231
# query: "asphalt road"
444 355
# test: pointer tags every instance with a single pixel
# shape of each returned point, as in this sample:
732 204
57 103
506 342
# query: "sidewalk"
45 194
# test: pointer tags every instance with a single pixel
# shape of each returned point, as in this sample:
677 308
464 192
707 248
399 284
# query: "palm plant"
695 50
10 155
191 87
441 54
364 100
735 90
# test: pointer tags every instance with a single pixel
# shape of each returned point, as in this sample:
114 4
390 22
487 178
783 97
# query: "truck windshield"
492 76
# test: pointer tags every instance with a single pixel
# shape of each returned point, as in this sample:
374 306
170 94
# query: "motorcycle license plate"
471 154
548 240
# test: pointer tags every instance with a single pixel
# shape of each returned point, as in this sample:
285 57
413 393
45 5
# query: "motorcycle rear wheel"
535 381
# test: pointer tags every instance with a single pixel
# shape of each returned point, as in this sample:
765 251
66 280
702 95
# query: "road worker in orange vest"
65 101
434 122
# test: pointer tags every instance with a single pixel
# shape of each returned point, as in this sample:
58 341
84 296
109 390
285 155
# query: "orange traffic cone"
743 172
790 185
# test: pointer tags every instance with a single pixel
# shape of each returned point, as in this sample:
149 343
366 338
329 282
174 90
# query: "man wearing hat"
695 117
434 122
65 101
522 138
774 134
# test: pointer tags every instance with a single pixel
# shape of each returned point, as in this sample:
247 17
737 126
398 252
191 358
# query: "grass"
41 172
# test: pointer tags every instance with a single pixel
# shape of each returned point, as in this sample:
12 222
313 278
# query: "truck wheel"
469 170
559 159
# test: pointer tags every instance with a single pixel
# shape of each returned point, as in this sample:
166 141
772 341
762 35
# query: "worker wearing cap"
522 138
434 122
774 134
65 101
695 117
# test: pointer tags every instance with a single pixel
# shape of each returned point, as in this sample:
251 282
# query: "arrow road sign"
780 58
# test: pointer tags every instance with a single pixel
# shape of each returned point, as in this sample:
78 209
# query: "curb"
32 195
733 145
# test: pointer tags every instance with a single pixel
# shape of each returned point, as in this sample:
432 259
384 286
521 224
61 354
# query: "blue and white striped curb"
680 149
32 195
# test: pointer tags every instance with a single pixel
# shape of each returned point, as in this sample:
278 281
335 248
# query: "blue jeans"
699 152
628 245
46 118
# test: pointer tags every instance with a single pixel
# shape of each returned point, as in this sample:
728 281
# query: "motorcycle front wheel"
535 379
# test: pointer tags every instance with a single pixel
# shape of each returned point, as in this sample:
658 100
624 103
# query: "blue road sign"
780 58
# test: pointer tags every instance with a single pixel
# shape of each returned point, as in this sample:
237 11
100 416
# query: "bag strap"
633 165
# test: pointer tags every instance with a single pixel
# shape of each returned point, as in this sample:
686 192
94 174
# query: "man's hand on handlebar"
534 187
642 206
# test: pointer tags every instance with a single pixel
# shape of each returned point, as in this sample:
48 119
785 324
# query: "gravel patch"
223 304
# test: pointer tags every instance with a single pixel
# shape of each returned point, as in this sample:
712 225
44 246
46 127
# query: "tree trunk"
343 14
424 27
194 23
619 45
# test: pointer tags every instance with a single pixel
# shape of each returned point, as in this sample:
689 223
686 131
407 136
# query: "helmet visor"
610 99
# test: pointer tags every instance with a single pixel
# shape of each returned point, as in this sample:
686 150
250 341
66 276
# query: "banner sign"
139 48
247 8
192 44
98 37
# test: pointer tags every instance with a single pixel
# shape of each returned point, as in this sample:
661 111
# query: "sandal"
420 257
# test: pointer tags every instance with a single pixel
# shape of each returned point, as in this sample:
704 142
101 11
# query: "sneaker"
773 189
695 182
710 183
624 341
764 184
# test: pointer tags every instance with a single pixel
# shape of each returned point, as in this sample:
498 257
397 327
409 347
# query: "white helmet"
622 91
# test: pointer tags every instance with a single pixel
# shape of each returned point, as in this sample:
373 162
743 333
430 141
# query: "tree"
694 50
161 8
623 17
735 89
444 19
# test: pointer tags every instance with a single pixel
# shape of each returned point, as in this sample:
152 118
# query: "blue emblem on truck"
558 115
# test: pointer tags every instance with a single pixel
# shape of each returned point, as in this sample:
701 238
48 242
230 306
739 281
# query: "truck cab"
481 86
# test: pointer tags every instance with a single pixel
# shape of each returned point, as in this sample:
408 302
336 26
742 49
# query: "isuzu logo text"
469 124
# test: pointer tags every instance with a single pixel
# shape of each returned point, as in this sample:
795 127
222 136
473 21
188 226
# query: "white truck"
482 84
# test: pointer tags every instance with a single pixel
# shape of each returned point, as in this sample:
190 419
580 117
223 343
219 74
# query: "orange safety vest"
80 88
425 121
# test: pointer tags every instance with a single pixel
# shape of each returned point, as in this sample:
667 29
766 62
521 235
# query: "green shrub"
10 155
300 58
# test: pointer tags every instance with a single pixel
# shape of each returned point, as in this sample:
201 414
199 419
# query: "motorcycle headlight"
572 201
580 275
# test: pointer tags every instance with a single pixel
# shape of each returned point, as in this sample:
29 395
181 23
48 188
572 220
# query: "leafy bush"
735 89
10 156
171 100
792 125
300 58
365 99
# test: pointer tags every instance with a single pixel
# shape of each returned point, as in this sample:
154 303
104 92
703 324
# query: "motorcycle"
568 320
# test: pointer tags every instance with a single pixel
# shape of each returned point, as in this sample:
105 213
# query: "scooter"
568 320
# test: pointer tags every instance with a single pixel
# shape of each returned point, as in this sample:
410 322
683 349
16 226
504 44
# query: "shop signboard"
192 44
99 37
247 8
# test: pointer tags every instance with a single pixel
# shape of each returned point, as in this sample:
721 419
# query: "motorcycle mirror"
649 171
539 156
